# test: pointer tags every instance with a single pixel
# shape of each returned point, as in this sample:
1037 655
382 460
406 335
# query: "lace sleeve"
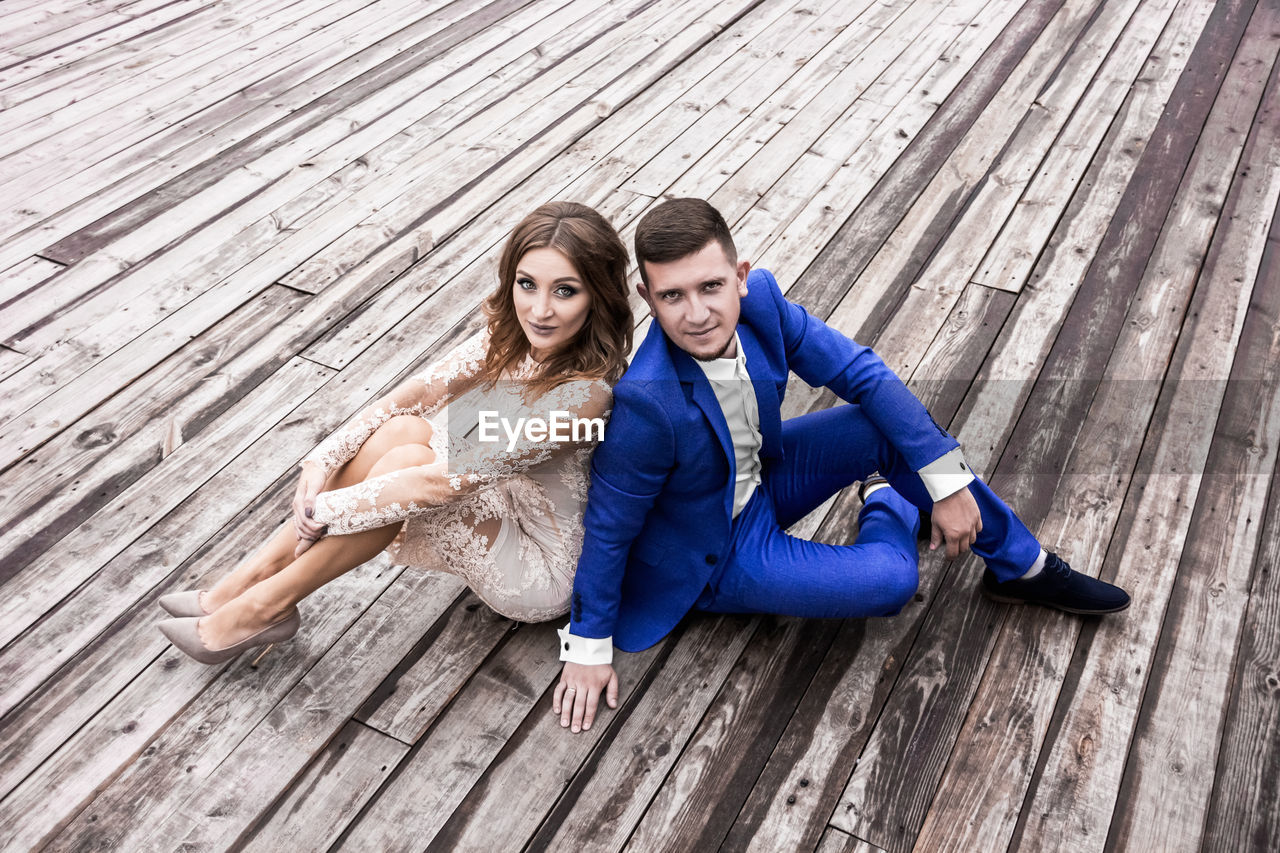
569 418
420 394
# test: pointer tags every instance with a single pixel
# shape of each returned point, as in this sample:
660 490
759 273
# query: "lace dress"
501 507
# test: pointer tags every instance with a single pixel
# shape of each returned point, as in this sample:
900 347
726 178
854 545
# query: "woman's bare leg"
277 552
272 598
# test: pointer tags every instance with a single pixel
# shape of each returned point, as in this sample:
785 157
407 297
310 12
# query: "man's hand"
957 520
578 694
304 504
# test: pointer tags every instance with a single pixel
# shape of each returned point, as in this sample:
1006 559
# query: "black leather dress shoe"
1058 586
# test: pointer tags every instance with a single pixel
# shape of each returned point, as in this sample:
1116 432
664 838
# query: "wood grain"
11 361
835 841
444 765
269 213
25 277
56 51
588 171
167 729
1008 375
1242 811
218 808
610 794
83 469
702 795
1038 454
512 797
1003 743
846 255
124 534
1086 748
412 697
119 190
338 782
1188 688
119 88
138 355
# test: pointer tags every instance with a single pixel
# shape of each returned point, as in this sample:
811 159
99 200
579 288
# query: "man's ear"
744 267
644 294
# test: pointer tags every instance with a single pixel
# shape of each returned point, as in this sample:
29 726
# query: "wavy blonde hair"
598 255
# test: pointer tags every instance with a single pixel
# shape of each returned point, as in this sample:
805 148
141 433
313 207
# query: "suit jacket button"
711 559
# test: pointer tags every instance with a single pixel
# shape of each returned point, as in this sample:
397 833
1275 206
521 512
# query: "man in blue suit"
698 477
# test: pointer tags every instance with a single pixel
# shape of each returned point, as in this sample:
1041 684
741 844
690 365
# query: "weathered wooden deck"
225 226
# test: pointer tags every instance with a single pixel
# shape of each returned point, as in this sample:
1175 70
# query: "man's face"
696 300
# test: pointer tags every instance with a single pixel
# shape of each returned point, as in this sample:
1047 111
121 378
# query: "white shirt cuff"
946 475
584 650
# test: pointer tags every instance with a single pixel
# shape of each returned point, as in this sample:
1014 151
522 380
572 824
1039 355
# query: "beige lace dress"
501 507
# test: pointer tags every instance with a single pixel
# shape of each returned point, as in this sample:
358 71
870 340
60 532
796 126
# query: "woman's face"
551 301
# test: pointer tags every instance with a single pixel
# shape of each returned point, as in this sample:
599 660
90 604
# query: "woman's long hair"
599 350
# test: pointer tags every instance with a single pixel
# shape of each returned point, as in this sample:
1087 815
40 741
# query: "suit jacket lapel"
692 377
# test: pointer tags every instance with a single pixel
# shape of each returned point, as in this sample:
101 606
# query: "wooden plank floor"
226 225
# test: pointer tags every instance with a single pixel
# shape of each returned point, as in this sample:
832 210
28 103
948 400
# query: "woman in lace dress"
442 472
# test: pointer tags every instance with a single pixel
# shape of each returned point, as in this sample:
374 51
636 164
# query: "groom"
698 476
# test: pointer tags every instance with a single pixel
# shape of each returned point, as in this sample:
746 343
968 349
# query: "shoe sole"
1010 600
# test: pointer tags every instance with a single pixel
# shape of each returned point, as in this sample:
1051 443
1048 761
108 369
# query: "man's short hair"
680 227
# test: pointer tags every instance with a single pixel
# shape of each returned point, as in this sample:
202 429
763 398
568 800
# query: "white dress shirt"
737 397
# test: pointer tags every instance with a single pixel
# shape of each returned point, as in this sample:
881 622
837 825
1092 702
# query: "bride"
476 466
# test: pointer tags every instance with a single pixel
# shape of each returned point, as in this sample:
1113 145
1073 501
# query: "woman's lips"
542 330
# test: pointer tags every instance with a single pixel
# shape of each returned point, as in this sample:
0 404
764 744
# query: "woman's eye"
566 291
525 284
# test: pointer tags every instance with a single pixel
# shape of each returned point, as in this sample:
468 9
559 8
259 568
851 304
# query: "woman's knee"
402 456
400 430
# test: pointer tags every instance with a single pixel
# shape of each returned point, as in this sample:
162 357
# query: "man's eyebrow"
678 289
572 278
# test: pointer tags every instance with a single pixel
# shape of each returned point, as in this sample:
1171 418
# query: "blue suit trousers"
769 571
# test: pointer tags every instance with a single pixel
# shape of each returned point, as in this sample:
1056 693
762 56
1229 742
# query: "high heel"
183 603
185 636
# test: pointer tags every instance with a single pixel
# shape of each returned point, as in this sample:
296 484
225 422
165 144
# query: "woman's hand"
578 694
304 506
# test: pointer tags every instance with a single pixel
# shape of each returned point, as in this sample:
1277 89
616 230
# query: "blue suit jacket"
659 508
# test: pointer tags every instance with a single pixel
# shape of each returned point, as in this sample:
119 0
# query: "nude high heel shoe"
185 636
183 603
